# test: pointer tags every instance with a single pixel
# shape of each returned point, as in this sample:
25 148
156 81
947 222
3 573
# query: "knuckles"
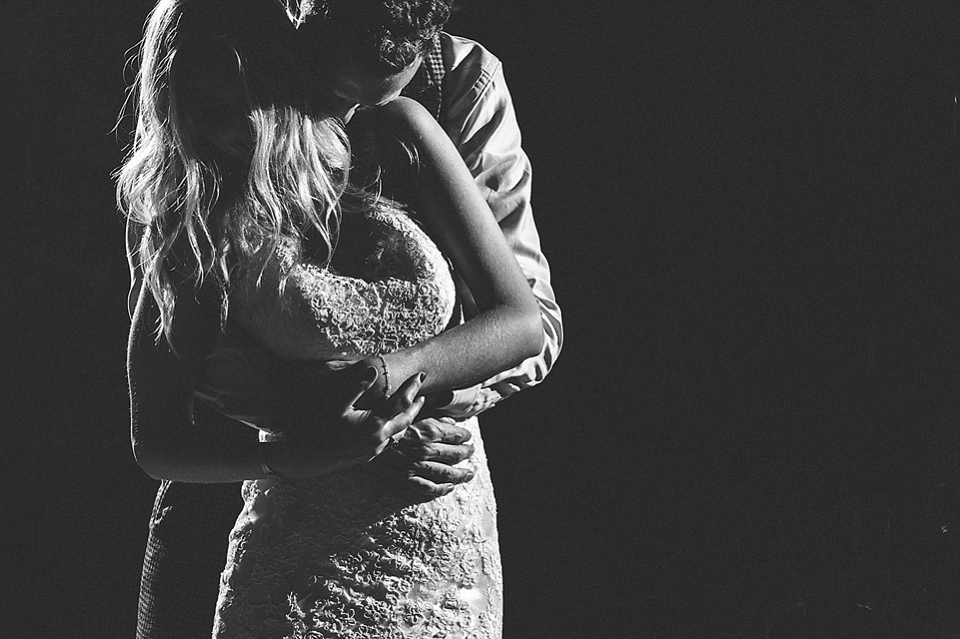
427 431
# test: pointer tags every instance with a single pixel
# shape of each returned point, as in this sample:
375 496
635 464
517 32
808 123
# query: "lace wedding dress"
350 555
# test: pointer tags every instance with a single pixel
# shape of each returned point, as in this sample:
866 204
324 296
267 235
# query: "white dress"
349 555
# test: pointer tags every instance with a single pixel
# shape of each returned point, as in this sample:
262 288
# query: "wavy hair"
386 35
202 215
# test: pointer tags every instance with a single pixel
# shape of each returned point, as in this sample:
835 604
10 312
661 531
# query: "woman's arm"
508 328
168 445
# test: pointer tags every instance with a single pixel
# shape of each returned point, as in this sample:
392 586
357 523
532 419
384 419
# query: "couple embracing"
332 246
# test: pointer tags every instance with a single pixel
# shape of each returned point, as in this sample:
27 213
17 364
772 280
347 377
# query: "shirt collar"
426 85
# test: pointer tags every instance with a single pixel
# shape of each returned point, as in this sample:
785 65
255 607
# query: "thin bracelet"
386 378
265 467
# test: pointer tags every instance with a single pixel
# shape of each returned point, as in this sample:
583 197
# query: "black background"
750 210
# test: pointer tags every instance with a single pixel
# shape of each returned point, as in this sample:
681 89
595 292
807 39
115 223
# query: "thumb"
366 379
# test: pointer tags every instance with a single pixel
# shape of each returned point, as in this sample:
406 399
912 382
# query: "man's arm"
232 385
479 117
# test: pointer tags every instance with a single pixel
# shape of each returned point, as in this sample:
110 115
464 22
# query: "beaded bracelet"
386 378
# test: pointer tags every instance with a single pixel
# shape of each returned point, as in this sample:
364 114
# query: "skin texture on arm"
507 330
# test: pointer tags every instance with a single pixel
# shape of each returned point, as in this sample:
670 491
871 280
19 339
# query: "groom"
367 53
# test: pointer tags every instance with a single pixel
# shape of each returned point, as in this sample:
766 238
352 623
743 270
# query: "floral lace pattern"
349 555
401 293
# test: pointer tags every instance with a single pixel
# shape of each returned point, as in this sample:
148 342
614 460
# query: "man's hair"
385 36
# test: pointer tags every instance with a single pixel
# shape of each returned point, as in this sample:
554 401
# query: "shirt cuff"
462 401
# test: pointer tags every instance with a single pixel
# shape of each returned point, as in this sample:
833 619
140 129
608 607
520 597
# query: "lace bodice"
394 290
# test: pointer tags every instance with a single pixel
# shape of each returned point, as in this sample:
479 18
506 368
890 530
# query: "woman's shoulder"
404 107
406 118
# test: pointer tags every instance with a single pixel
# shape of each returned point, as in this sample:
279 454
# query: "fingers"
366 381
423 481
450 454
396 425
445 431
407 392
425 490
401 421
452 433
440 473
403 406
377 428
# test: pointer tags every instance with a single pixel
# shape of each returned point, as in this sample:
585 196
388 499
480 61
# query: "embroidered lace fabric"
350 555
400 293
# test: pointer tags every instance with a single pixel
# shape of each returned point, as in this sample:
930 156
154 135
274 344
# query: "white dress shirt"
477 114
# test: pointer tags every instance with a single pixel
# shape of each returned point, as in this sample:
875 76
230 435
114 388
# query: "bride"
244 226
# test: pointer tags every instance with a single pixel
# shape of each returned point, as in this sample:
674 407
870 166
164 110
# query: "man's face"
350 85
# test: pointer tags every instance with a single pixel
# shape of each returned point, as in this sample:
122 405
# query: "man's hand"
423 459
316 405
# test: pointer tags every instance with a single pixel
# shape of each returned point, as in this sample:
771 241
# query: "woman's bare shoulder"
407 118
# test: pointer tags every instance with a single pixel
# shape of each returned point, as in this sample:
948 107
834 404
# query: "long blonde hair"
170 183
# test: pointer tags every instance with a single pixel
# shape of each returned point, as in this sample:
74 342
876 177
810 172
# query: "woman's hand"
328 436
